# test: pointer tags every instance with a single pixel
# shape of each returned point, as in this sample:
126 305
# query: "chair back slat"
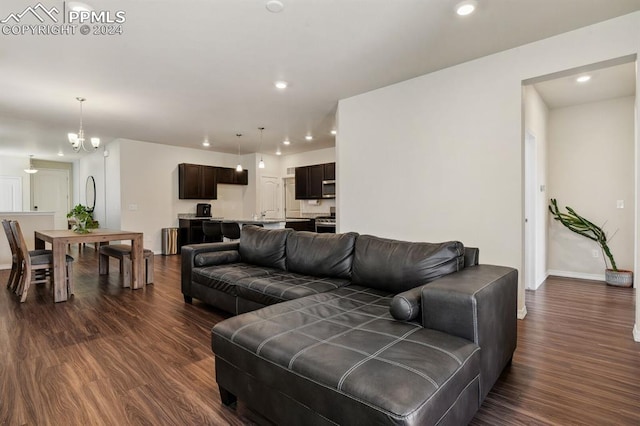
23 250
6 224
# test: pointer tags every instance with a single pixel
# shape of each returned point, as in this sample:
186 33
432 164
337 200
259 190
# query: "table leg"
137 263
59 271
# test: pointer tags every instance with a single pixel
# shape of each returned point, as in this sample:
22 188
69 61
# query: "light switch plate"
620 204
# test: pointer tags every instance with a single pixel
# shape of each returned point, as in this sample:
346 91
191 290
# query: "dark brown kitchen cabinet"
316 176
197 182
302 180
330 171
231 176
309 180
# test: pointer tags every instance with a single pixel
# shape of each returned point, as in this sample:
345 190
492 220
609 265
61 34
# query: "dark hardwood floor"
114 356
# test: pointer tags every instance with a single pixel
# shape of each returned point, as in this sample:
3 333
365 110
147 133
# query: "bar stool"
231 230
212 230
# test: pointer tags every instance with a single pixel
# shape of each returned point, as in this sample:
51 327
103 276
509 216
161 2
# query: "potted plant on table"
578 224
83 219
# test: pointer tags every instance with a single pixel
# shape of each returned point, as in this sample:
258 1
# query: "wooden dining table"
59 239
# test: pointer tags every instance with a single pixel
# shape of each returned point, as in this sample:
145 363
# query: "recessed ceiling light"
206 143
466 7
281 84
286 142
334 132
309 137
583 78
278 152
274 6
60 154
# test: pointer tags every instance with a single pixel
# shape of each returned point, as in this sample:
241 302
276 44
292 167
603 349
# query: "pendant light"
31 170
261 163
239 166
77 139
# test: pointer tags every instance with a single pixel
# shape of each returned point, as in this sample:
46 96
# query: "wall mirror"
90 194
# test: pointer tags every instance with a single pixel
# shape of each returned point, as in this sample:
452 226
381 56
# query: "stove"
326 224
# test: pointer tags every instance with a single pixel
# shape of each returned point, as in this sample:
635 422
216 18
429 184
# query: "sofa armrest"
189 253
406 306
480 304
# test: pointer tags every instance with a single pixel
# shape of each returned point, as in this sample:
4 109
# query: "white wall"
92 165
446 147
149 184
536 117
113 182
591 166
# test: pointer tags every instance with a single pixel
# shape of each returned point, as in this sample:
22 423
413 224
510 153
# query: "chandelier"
31 170
77 140
239 166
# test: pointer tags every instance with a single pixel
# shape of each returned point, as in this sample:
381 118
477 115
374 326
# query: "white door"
10 194
291 205
269 197
50 189
530 212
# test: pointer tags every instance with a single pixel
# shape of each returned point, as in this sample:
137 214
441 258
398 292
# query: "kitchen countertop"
265 220
190 216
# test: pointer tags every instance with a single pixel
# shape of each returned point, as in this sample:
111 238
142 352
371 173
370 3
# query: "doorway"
291 205
10 194
583 133
530 185
270 197
50 193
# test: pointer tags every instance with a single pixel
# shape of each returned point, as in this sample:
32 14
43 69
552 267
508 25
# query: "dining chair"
37 265
16 266
230 230
212 230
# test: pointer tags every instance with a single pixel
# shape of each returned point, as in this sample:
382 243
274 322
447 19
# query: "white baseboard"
5 266
578 275
522 313
636 332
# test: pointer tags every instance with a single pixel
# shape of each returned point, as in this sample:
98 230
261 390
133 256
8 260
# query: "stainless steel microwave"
328 189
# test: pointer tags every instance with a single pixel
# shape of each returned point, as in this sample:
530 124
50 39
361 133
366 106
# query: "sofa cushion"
263 247
225 277
397 266
321 255
346 342
213 258
280 286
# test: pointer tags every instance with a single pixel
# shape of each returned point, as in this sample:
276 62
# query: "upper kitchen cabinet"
309 180
197 182
302 182
231 176
316 176
330 171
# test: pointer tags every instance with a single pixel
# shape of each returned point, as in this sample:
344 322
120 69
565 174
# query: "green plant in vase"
83 219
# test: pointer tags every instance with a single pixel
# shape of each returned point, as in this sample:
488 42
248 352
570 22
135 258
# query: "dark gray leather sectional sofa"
354 329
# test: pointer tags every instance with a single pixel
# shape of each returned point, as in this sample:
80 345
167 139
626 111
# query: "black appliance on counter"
203 210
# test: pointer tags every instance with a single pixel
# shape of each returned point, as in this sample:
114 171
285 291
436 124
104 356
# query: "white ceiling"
606 83
184 70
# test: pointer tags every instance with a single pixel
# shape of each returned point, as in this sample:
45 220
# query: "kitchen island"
191 225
